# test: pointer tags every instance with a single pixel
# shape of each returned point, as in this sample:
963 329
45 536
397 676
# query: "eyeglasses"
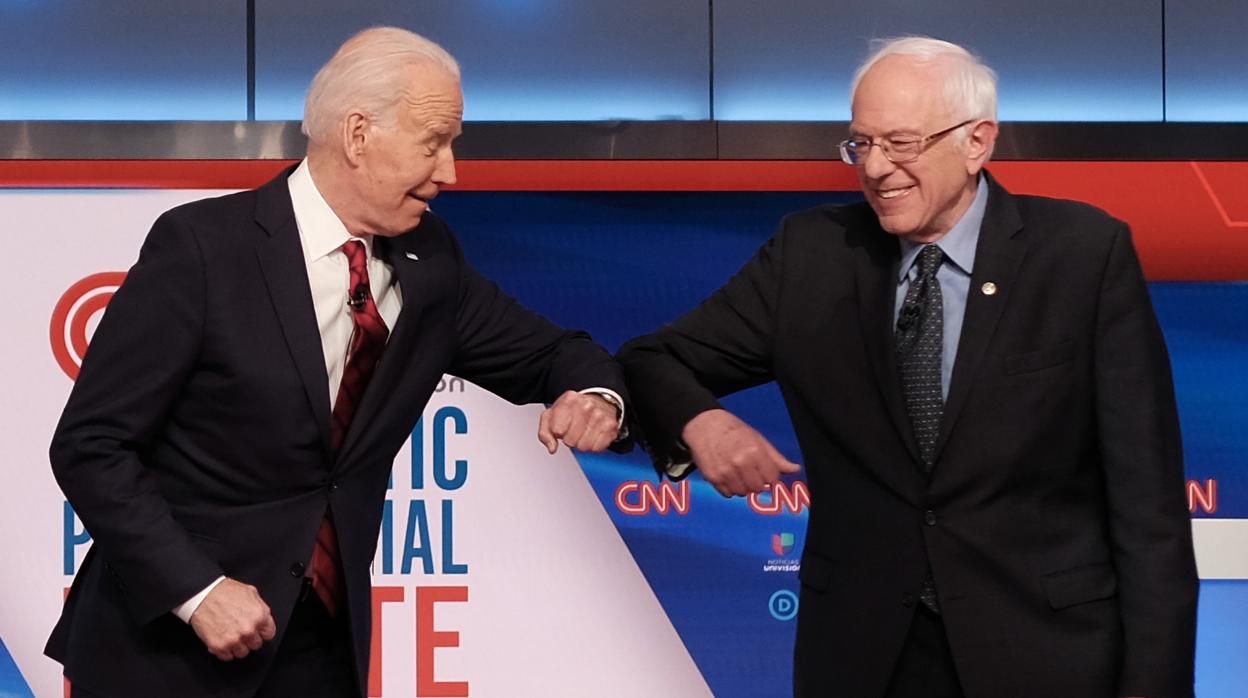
898 150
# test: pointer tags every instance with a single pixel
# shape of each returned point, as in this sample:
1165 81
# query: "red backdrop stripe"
1190 219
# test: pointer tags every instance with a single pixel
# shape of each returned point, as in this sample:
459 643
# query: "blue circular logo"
783 605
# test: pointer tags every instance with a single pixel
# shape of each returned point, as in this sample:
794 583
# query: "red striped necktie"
368 340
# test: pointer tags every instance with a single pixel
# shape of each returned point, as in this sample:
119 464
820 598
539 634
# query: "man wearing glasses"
984 405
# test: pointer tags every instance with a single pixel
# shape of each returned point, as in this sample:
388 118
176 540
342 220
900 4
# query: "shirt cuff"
614 398
677 471
188 608
680 463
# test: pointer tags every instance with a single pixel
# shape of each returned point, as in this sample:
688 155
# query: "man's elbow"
61 453
67 452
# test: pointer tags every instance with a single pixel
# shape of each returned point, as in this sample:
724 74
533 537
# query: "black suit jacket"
196 441
1054 520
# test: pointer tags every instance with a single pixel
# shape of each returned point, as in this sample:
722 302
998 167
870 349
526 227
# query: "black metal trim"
588 140
611 140
739 140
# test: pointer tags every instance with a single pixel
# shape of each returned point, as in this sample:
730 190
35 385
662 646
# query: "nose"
444 171
874 165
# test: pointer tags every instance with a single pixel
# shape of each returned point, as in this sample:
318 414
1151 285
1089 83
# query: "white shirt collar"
320 229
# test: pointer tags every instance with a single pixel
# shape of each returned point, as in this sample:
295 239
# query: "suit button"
297 568
929 517
907 600
333 487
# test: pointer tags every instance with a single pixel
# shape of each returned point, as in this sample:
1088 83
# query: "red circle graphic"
90 295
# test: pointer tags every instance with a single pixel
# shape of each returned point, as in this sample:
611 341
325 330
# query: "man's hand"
732 456
587 422
233 620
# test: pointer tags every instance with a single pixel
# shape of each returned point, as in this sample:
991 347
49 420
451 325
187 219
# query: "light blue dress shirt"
954 277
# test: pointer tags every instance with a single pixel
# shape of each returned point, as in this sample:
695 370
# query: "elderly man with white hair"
230 436
984 406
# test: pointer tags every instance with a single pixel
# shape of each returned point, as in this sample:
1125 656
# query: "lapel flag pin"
989 289
412 256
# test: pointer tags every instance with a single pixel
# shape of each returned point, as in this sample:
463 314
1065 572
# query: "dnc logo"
782 543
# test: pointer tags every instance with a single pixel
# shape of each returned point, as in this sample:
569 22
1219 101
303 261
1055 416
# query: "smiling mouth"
893 193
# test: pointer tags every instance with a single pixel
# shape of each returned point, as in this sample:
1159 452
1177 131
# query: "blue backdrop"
621 264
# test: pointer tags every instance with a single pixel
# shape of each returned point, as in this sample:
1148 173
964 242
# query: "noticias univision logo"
781 545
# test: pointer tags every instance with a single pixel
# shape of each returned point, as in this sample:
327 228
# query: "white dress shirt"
322 235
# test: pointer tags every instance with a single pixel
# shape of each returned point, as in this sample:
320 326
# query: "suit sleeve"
138 360
1149 523
519 355
722 346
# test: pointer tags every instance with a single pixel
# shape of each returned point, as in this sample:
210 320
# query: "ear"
979 144
357 135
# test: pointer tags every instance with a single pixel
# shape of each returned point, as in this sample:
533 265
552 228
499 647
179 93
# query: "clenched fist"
584 421
233 620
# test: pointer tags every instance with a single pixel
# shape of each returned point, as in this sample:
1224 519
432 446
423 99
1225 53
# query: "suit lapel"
997 259
404 256
876 274
280 254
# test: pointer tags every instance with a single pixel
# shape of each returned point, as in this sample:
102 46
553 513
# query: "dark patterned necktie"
920 338
368 340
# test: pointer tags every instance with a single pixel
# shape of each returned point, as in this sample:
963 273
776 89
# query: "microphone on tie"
908 316
356 297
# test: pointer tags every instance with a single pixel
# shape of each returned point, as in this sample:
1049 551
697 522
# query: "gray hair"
970 85
368 73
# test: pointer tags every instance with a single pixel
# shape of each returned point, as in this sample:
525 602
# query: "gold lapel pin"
989 288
